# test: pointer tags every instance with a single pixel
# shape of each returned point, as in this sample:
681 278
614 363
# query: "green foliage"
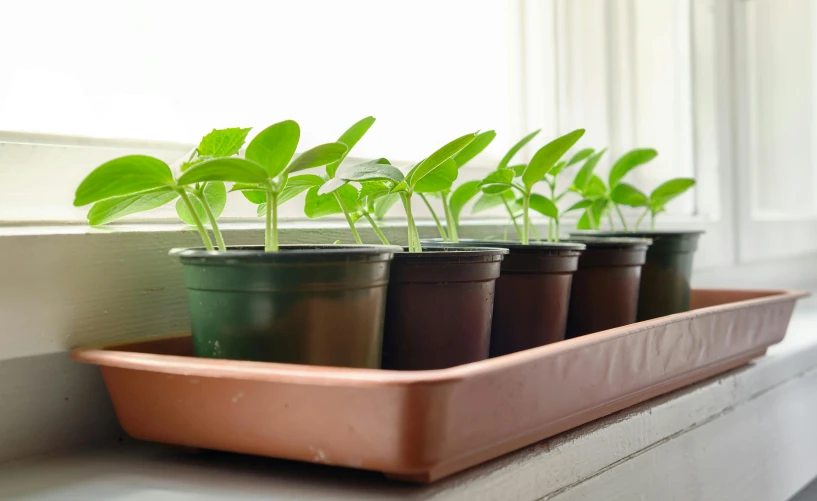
213 194
223 142
112 209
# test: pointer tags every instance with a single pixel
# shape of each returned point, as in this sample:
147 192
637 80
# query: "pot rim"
611 242
517 245
289 252
636 234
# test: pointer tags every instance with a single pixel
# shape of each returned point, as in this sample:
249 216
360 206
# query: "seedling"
469 190
265 172
137 183
322 201
379 179
543 161
603 197
453 203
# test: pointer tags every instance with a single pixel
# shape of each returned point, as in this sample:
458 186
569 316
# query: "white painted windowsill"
746 435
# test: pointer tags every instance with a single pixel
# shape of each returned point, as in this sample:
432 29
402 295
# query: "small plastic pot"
439 307
605 287
532 294
665 277
316 305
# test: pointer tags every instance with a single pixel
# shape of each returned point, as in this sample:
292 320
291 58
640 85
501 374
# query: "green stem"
440 228
526 219
558 230
271 230
641 218
348 216
216 231
621 216
380 234
513 219
652 221
610 219
535 233
202 231
553 225
414 237
450 222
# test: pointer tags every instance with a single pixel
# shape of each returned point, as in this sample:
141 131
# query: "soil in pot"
606 284
532 294
439 307
316 305
665 277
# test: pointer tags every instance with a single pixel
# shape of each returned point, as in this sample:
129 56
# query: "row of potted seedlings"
429 305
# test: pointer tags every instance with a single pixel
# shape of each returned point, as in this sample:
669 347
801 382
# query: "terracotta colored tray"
424 425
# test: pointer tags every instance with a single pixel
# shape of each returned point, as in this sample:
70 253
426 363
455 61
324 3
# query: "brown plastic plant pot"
665 277
316 305
532 294
438 311
605 286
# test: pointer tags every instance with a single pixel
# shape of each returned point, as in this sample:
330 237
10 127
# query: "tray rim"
106 355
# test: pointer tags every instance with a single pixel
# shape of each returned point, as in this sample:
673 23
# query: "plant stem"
380 234
348 216
526 219
450 222
610 219
621 216
641 218
440 228
207 210
413 236
513 219
652 221
271 230
202 231
535 233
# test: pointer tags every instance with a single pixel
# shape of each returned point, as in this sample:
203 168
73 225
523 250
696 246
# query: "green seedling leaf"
543 205
547 156
317 206
350 138
627 194
580 155
581 204
557 169
584 222
372 171
490 200
586 172
112 209
515 149
517 169
233 169
383 204
190 163
275 146
223 142
331 185
476 147
400 187
297 185
215 195
594 188
670 190
123 176
628 162
434 160
373 189
462 195
318 157
439 179
497 181
255 196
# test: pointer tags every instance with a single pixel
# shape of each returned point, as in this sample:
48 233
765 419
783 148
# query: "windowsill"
740 425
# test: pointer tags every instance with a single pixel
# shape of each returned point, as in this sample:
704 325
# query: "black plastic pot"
317 305
532 294
605 287
666 275
439 307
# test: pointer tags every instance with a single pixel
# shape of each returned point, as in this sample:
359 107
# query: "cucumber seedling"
138 183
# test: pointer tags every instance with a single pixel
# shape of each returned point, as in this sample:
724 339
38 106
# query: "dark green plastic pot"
440 303
665 277
316 305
